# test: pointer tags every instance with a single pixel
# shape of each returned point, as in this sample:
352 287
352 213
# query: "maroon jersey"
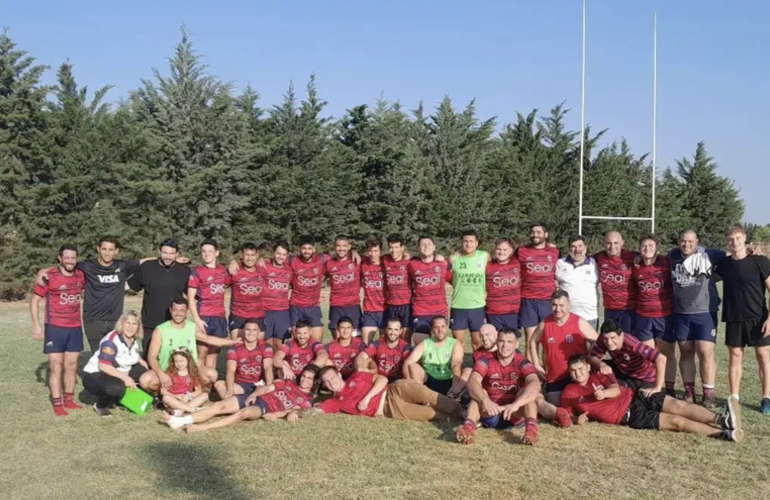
481 353
538 271
287 395
389 360
62 296
210 284
346 401
398 290
580 399
180 384
559 344
249 363
618 289
634 359
344 282
503 287
246 300
307 280
344 357
277 282
299 357
372 280
655 289
502 383
429 281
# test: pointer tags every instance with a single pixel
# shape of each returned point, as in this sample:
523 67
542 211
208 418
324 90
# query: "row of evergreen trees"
184 156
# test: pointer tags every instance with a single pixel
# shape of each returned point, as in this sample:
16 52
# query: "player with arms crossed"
538 269
469 269
428 277
503 288
386 356
249 364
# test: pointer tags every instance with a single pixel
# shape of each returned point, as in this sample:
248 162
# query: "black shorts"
557 385
746 333
644 412
440 386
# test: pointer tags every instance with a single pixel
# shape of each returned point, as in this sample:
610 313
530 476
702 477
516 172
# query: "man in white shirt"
577 275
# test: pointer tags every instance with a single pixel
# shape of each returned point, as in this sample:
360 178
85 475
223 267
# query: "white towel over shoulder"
698 263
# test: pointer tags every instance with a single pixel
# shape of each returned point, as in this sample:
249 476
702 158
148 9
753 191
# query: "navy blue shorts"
242 402
403 313
247 388
217 326
421 324
558 385
336 312
496 422
698 326
58 339
277 325
715 318
440 386
626 318
311 314
237 323
504 321
373 320
533 311
467 319
654 328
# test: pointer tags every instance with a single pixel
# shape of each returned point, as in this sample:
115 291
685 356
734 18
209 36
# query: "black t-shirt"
160 284
744 287
104 288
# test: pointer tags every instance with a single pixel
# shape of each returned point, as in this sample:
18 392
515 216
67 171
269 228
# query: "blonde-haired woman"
117 364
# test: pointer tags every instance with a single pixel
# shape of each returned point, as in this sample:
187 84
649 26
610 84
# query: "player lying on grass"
598 397
272 402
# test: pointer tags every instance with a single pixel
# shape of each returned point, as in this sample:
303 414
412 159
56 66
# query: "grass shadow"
194 469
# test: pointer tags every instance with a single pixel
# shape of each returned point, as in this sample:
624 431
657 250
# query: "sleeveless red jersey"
559 343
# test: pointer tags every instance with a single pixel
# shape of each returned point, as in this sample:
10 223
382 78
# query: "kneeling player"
386 356
600 397
494 389
270 402
249 364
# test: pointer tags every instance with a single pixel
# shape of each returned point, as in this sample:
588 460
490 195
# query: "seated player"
437 361
248 365
294 355
503 387
370 395
635 364
343 350
270 402
598 397
488 348
386 356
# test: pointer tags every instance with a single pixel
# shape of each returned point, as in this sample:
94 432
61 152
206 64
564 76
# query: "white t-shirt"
113 351
582 284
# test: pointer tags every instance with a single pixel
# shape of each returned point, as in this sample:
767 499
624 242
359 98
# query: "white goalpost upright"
651 218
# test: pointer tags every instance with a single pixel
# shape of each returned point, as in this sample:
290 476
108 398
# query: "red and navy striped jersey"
634 359
503 287
210 284
344 282
62 295
344 357
287 395
299 357
277 286
538 271
428 280
307 280
389 360
247 286
249 363
618 289
372 281
655 289
398 289
502 383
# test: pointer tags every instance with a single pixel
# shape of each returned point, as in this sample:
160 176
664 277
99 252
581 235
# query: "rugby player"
437 361
578 275
398 289
343 350
469 289
62 335
488 348
247 284
386 356
538 270
290 358
306 283
503 288
619 294
275 295
344 286
503 387
249 365
598 397
655 303
428 277
372 280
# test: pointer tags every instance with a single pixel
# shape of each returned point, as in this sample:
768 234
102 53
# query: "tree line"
184 155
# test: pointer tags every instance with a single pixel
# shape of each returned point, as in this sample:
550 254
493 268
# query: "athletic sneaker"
465 433
765 407
563 417
732 412
735 436
531 433
101 411
174 422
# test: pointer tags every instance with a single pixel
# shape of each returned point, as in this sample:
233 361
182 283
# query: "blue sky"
510 56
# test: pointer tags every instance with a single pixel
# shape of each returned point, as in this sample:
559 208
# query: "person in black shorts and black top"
745 311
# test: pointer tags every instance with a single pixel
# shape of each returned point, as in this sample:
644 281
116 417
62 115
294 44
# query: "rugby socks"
58 407
69 402
708 391
670 388
689 390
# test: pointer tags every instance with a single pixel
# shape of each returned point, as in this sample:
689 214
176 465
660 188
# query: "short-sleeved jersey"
389 360
114 351
276 288
181 384
559 343
581 282
62 294
634 359
744 287
299 357
655 290
344 282
105 288
502 382
307 280
286 396
344 357
482 353
398 289
247 286
210 284
372 281
538 268
580 399
618 289
503 287
346 401
250 362
429 281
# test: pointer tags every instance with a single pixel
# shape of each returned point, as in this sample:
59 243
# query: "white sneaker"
175 422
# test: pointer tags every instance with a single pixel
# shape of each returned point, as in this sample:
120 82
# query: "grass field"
342 457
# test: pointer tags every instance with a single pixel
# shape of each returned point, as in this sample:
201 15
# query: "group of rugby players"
415 370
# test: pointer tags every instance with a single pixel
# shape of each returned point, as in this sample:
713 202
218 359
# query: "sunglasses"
169 242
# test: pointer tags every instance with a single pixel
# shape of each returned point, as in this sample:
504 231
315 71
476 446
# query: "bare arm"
321 359
530 393
232 365
660 372
532 350
413 358
34 310
766 325
267 370
193 307
457 360
587 330
611 392
379 383
215 341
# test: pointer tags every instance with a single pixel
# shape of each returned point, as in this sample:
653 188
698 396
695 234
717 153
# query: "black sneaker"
733 414
101 411
736 436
